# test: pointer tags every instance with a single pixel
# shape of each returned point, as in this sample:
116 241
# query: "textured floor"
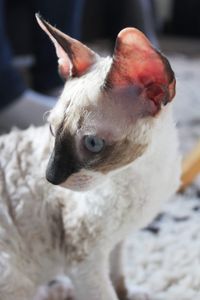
165 258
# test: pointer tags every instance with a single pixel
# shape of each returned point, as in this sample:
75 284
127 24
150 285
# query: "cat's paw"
58 289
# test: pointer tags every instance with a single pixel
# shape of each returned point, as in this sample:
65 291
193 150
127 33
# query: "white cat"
113 145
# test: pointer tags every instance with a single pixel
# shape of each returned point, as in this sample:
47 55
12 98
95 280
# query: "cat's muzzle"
59 168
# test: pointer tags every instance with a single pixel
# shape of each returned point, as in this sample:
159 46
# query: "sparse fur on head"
113 146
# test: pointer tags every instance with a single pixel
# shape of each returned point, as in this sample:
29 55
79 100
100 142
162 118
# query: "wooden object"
191 167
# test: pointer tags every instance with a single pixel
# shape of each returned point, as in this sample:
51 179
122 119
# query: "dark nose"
59 169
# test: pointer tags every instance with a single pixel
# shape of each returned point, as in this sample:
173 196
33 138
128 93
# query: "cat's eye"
93 143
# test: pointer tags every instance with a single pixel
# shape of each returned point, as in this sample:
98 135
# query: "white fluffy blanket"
165 258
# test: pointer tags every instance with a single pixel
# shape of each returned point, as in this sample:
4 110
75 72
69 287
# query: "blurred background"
175 24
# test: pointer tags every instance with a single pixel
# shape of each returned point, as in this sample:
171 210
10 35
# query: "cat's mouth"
82 181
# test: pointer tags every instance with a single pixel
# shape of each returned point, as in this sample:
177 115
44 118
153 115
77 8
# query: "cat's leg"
91 279
117 272
118 279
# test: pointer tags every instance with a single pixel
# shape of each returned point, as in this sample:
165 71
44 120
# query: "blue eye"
93 143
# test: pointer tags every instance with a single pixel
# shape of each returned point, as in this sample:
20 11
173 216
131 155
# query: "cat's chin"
76 188
82 181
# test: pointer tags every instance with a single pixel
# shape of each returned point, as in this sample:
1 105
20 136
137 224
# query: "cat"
110 151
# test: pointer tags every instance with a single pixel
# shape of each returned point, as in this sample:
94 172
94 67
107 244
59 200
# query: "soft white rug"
165 258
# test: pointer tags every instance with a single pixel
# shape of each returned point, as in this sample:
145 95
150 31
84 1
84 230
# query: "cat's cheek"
83 181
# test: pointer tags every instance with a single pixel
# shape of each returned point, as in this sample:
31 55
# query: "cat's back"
29 144
22 154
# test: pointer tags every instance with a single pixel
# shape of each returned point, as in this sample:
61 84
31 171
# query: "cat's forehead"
87 87
85 106
80 94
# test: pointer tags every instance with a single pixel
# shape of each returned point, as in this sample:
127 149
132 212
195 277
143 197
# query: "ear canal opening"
137 63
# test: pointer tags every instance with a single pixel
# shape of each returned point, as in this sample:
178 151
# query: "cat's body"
46 230
96 220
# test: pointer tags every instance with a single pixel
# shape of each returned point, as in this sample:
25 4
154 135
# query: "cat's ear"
74 58
137 63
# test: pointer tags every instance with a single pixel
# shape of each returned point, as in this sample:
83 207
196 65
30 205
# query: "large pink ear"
74 58
137 63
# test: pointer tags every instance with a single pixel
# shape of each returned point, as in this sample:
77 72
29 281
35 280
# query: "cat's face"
105 115
94 134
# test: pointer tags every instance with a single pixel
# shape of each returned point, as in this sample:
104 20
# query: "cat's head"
105 115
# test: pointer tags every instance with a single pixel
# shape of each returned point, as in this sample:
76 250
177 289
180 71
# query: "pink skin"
137 63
